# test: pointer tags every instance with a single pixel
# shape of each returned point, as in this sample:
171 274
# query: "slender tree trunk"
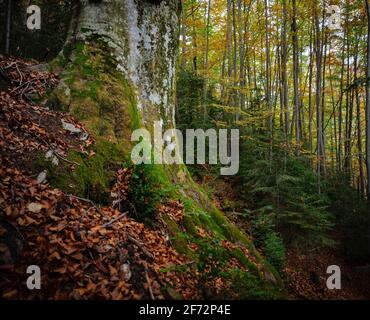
206 64
235 63
268 66
310 109
194 42
359 141
368 100
243 51
285 94
8 27
229 48
340 116
183 43
334 111
323 102
318 50
349 106
296 78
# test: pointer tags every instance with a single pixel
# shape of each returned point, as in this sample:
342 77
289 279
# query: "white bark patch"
144 38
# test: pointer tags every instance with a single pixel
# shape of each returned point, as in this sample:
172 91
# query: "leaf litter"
84 252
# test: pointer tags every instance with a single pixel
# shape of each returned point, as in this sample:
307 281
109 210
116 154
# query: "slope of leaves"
84 251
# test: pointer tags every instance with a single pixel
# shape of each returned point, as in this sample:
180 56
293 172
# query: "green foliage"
353 219
192 103
190 113
92 178
281 190
249 286
214 258
146 190
189 97
274 250
266 238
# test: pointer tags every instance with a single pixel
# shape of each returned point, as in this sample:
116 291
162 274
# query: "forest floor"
84 251
305 271
87 251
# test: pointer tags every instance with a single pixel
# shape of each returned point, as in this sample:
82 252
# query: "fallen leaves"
119 192
84 251
173 210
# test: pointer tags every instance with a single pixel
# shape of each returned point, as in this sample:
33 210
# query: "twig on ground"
149 283
85 200
20 74
140 245
114 220
62 158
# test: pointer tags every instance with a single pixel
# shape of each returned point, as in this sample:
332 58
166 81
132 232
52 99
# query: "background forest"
297 88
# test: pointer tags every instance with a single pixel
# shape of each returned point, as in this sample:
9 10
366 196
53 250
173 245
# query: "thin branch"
149 283
114 220
141 245
85 200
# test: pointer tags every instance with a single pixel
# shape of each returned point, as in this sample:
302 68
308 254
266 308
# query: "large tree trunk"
117 74
144 38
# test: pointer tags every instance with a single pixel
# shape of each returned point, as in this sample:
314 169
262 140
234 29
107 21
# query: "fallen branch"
23 84
140 245
19 72
61 157
85 200
114 220
149 284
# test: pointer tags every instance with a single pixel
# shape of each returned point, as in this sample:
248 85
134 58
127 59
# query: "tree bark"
284 53
310 109
206 64
296 78
8 27
368 100
318 50
268 66
131 42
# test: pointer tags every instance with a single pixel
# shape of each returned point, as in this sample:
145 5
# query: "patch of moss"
94 176
248 286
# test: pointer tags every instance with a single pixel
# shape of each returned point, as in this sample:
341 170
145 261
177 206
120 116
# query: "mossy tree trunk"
117 72
122 55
